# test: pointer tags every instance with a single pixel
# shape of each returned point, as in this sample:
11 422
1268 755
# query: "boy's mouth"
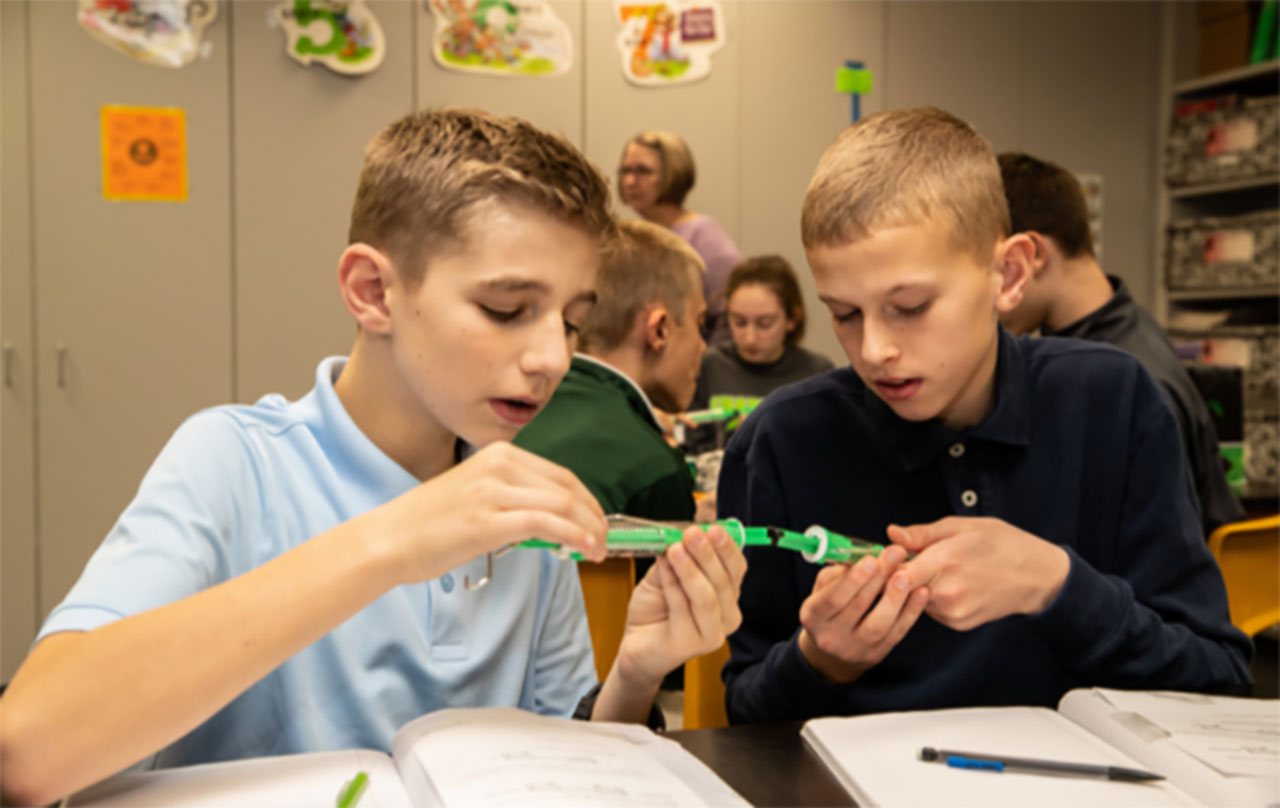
898 389
517 411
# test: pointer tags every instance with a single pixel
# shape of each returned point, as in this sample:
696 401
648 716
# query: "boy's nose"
878 345
547 352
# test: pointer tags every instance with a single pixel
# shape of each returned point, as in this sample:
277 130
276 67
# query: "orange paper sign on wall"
144 153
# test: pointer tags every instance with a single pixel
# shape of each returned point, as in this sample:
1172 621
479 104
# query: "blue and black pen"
1000 763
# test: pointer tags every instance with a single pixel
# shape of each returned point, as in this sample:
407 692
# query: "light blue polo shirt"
237 486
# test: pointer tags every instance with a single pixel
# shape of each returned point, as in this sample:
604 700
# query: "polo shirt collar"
350 450
603 371
915 443
1114 314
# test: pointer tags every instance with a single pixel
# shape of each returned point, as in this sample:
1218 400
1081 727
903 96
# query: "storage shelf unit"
1198 282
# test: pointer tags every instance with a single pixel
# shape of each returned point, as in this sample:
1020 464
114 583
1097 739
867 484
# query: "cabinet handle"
8 364
62 364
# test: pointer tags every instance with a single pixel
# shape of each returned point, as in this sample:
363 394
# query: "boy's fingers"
696 589
555 502
532 471
519 525
679 609
917 537
923 570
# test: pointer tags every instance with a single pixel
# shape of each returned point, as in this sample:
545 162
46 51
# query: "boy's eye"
913 311
847 316
571 329
501 315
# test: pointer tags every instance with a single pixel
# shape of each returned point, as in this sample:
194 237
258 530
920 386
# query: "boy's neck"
1082 289
386 411
625 360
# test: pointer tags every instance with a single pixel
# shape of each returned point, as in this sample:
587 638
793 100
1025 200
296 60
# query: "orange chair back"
606 590
1248 553
704 691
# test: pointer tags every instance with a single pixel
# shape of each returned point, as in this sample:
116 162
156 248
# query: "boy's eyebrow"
531 285
893 290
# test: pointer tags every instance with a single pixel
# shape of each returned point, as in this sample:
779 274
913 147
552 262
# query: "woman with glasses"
654 177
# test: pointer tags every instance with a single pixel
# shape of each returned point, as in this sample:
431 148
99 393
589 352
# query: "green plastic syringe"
631 536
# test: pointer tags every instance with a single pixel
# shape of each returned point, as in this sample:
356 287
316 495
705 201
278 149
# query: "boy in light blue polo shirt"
296 576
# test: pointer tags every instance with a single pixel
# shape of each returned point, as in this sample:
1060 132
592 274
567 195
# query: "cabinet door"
299 137
17 395
133 304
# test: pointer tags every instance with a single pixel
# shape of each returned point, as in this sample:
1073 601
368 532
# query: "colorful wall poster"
342 35
501 37
144 153
168 33
670 42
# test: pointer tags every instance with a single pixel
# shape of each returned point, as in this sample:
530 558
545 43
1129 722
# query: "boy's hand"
845 630
980 569
685 606
500 495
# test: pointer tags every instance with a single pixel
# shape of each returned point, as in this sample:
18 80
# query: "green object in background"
1266 39
853 80
1233 456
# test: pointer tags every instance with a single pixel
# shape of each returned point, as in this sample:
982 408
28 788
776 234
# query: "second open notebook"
1214 750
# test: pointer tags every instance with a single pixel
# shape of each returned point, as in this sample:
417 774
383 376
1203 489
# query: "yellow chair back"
1248 553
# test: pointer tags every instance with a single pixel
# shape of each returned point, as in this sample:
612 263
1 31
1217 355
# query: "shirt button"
969 498
446 583
956 450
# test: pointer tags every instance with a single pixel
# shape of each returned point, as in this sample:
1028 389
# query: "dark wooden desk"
768 764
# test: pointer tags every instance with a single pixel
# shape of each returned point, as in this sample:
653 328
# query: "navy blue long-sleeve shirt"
1080 450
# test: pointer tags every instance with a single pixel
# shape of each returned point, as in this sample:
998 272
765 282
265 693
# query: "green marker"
352 790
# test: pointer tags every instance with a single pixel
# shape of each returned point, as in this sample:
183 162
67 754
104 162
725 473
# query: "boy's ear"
1015 257
657 327
1040 256
364 276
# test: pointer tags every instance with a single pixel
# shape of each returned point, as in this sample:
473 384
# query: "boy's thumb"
914 538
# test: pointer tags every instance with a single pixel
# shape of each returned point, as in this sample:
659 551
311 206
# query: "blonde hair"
425 172
907 167
647 263
677 173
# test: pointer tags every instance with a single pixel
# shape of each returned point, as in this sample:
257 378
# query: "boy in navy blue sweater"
1040 484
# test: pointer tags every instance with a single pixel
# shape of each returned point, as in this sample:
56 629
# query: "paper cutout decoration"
168 33
669 42
144 153
343 36
501 37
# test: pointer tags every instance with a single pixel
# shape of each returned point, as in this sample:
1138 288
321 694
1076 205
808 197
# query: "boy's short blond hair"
902 168
646 264
677 173
425 172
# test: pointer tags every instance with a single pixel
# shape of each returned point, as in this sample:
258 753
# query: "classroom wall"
162 309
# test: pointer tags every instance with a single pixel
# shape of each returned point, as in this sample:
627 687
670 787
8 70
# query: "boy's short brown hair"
907 167
1048 199
425 172
677 173
647 263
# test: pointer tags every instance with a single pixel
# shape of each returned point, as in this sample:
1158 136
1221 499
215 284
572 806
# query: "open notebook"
494 756
1214 750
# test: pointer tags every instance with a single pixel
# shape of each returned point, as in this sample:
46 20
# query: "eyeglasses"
639 171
